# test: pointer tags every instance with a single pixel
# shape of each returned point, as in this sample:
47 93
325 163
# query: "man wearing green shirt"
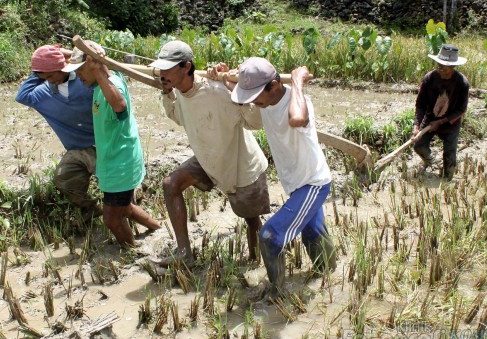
119 164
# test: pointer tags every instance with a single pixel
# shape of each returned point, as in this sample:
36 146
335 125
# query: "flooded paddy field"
412 252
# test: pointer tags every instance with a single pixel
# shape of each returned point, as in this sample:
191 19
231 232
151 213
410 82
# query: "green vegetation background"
230 31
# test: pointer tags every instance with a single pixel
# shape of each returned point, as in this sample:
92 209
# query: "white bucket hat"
448 56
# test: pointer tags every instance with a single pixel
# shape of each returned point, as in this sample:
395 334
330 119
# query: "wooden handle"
359 153
112 64
391 156
232 75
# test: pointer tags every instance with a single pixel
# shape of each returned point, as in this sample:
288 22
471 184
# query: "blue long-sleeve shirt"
71 118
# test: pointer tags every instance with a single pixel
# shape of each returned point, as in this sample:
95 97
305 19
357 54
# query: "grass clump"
361 129
14 58
383 139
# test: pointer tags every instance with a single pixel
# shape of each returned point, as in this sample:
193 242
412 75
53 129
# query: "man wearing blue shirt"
66 104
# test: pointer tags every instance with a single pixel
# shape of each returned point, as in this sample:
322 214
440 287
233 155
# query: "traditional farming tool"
115 65
149 75
232 75
361 154
388 158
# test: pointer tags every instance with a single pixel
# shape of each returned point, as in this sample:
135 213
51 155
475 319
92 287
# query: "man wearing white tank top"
288 119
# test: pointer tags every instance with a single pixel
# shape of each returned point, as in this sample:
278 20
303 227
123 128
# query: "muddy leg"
140 216
174 185
115 219
254 225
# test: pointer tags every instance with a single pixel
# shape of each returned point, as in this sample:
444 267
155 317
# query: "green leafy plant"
361 129
380 66
273 43
261 138
359 41
436 35
309 41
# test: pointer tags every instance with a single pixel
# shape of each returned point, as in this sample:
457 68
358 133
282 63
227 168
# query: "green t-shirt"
119 158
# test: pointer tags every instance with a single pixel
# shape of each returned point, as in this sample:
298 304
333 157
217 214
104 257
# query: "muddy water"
28 145
27 142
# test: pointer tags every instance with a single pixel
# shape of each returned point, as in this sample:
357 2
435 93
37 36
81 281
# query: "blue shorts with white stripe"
302 213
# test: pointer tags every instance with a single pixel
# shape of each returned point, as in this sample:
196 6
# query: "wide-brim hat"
448 56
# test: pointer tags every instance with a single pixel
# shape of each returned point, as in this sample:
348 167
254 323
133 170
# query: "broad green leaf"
335 40
352 44
367 32
485 44
383 45
431 27
310 39
365 43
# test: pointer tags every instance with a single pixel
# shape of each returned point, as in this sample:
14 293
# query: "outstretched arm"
298 110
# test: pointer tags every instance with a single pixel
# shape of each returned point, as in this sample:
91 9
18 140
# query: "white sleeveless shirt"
297 154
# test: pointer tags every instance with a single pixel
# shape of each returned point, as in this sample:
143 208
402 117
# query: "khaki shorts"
247 202
72 176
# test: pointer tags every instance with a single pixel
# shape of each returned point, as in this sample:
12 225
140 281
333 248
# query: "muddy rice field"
412 248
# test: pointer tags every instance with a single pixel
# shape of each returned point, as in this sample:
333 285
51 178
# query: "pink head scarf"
48 58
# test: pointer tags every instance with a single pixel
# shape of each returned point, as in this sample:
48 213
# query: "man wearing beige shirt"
226 153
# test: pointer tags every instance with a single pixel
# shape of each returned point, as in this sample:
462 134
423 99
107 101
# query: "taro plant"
380 66
310 41
271 48
436 35
120 40
359 42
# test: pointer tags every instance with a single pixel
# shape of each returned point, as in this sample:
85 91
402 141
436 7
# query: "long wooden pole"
146 79
149 75
232 76
391 156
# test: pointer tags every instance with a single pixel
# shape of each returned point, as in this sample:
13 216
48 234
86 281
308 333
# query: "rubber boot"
322 253
447 173
276 269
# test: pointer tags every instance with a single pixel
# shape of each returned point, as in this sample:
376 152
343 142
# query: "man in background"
441 103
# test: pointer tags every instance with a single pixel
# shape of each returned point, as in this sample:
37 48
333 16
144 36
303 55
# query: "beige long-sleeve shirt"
218 132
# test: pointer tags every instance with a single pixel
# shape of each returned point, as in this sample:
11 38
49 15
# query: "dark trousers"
450 144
